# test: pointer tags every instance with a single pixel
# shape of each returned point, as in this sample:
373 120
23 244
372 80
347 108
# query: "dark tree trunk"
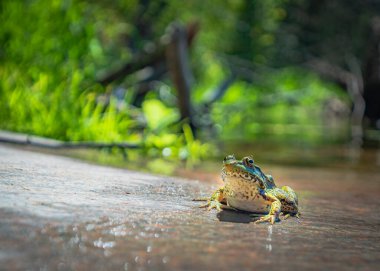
372 75
180 72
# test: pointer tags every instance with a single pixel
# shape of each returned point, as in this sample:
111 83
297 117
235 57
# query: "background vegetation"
53 51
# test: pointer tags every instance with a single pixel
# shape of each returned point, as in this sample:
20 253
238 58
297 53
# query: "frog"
247 188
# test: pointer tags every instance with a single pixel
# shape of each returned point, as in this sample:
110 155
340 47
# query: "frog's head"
245 170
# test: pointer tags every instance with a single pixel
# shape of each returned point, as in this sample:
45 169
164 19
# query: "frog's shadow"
237 216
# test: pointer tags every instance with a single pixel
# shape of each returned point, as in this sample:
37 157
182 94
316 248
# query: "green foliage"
59 110
52 51
287 105
158 139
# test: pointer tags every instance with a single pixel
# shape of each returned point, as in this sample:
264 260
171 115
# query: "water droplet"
149 249
268 247
101 244
90 227
108 244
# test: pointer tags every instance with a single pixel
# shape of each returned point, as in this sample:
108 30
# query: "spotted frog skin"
247 188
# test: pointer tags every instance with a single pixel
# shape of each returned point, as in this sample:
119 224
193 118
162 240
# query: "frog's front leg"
275 209
216 200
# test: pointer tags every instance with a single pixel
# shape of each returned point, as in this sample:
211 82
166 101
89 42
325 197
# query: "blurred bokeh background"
291 82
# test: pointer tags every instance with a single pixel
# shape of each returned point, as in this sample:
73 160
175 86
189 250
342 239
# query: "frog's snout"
229 159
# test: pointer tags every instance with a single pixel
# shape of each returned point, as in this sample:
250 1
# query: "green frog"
247 188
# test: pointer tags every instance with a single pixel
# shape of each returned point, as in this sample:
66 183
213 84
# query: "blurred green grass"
51 52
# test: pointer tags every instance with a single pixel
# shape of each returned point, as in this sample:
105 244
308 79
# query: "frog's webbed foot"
215 201
287 215
213 204
268 218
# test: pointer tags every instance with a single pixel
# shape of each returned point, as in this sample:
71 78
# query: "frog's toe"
285 216
288 214
215 205
212 205
205 205
200 199
268 218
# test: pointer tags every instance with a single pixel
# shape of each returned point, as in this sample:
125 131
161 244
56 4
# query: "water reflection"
102 244
322 155
268 245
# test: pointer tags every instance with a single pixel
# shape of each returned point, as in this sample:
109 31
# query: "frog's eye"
249 162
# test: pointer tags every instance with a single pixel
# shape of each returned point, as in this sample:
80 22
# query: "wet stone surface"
61 214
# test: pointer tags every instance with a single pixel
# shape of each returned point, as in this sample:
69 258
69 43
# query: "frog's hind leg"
215 201
292 194
290 206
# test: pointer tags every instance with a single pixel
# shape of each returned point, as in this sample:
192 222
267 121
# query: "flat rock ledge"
58 213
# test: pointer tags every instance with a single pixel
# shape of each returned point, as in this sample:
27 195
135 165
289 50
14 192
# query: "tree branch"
24 139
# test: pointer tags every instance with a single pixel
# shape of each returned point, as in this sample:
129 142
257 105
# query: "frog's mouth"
233 170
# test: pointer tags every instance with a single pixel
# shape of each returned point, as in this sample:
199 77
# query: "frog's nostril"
229 157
